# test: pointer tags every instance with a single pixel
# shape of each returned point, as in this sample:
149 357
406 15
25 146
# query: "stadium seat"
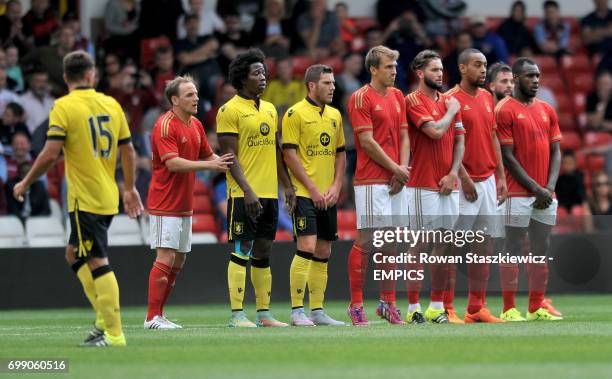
283 235
347 219
564 103
202 204
204 223
531 22
364 23
45 231
571 141
271 65
11 232
335 63
595 163
579 100
198 238
573 64
553 81
124 231
147 50
567 122
493 22
300 64
546 63
592 139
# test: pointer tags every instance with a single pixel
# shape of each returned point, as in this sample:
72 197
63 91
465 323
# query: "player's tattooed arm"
229 145
447 183
543 196
436 129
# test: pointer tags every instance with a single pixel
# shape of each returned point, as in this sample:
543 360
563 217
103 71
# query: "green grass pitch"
578 347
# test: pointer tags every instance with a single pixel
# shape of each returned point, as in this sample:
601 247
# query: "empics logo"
324 139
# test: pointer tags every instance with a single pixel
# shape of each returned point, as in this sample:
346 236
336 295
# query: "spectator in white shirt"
210 21
6 95
37 100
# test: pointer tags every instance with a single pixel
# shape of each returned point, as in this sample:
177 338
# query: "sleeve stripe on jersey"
500 104
359 97
55 137
166 123
452 91
232 134
340 149
290 146
556 138
167 155
362 127
124 141
56 128
506 140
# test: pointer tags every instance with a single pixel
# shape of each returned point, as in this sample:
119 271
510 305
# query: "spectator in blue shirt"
490 43
551 34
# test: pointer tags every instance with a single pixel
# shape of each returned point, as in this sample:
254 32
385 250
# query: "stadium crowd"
139 48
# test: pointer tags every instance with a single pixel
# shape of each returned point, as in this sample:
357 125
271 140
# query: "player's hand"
543 198
447 184
221 163
395 185
19 190
502 190
331 195
469 189
290 199
132 203
317 198
452 105
401 173
252 205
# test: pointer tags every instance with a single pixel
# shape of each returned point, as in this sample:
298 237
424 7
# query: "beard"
433 85
499 94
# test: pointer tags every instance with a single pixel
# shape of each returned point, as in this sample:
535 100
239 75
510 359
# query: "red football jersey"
431 159
384 116
477 114
530 129
171 193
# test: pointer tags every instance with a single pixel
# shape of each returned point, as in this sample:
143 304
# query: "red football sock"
158 282
478 275
538 281
413 287
439 280
449 293
171 282
509 284
387 286
357 269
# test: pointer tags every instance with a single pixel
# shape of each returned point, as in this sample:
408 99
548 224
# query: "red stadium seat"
571 141
576 45
546 63
202 223
531 22
201 188
581 82
493 22
271 65
300 64
561 211
202 204
347 219
553 82
595 163
147 50
592 139
335 63
283 235
576 63
574 25
567 122
564 103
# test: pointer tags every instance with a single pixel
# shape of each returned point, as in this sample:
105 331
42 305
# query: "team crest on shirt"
264 129
238 228
520 116
300 223
544 116
88 244
378 107
184 139
325 139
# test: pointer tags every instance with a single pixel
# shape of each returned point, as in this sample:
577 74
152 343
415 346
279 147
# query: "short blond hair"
172 86
372 59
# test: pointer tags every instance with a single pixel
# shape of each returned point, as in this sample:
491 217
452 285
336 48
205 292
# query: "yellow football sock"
298 276
261 277
83 273
236 277
317 282
107 289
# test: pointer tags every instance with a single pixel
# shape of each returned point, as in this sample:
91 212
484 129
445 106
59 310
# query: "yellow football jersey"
256 132
92 126
317 137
